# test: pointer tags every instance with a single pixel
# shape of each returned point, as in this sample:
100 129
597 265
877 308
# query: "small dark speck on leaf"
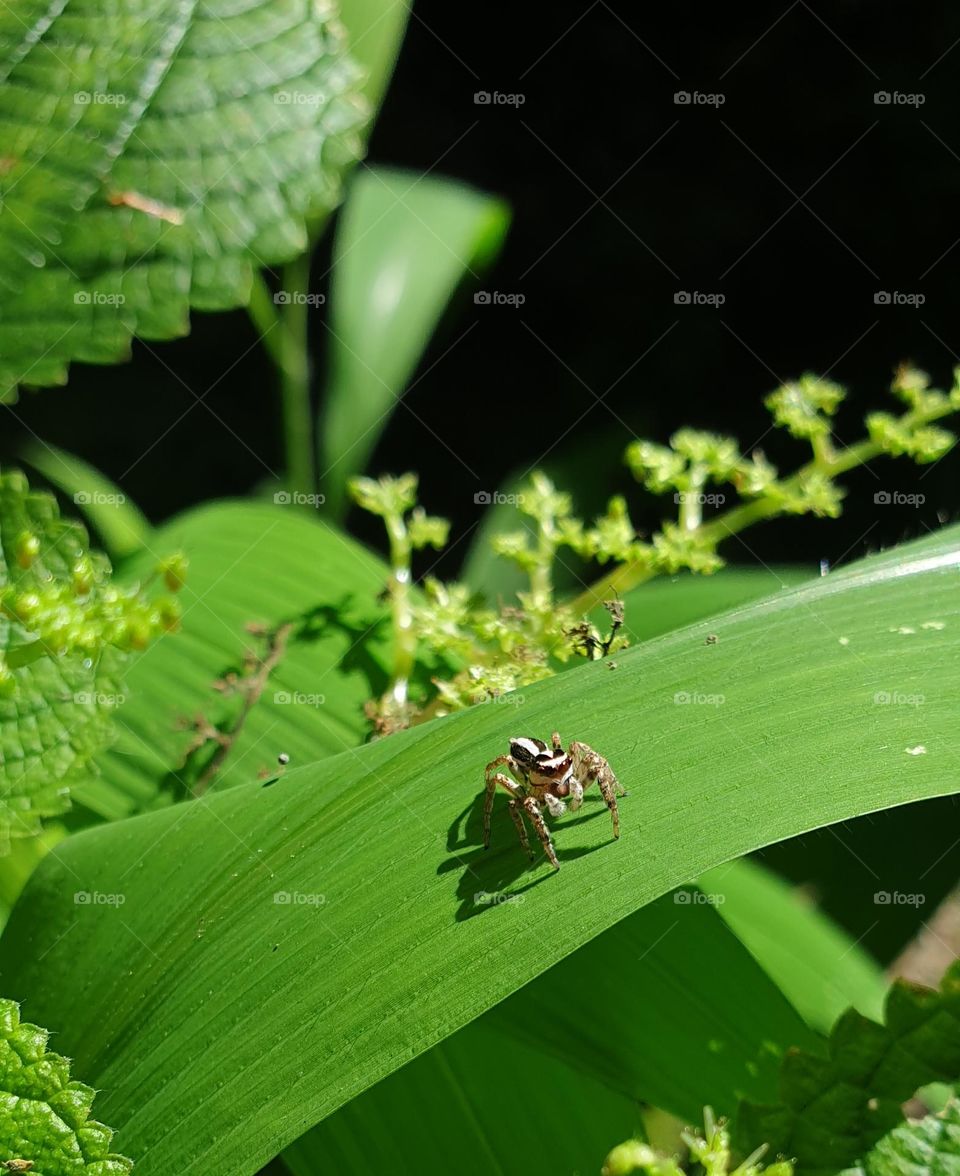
712 639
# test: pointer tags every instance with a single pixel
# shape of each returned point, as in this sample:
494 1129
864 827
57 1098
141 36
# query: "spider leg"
557 744
533 812
517 817
589 765
493 778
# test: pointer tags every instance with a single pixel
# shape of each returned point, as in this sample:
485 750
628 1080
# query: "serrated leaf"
835 1107
59 712
924 1147
153 154
44 1115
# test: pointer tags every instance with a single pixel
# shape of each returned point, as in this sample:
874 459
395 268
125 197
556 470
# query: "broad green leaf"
815 964
153 153
833 1108
25 855
259 563
904 851
478 1104
922 1147
328 931
629 1016
403 245
639 1016
375 31
119 523
671 601
44 1115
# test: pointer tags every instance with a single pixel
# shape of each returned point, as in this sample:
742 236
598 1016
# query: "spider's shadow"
503 872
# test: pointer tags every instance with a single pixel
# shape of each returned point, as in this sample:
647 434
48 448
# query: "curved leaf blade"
630 1021
814 962
469 1085
375 29
271 1012
404 244
262 564
120 524
631 1008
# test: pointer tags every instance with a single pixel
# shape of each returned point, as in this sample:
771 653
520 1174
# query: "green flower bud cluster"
911 434
481 653
57 597
487 652
385 496
806 407
391 498
900 437
613 537
534 551
693 459
496 651
711 1150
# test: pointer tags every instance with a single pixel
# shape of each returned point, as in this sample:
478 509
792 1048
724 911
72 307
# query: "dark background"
695 198
797 199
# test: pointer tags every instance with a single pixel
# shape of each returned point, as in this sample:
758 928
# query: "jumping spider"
550 776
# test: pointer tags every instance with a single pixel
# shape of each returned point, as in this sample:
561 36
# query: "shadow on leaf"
502 874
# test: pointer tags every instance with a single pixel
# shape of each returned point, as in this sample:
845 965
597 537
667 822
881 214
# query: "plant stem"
404 636
829 462
283 332
263 315
295 379
541 588
253 687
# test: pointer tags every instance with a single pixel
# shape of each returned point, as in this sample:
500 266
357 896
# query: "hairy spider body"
548 775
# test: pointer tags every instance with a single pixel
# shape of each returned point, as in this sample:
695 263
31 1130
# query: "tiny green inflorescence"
66 629
710 1150
475 652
